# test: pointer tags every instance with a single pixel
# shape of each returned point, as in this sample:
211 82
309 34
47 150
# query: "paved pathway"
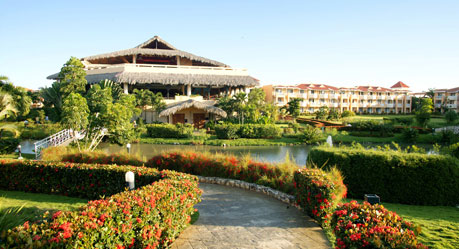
236 218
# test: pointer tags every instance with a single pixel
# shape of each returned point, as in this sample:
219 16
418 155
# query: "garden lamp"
128 146
130 180
19 151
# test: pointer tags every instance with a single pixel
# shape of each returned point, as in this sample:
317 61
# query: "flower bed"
372 226
265 174
408 178
148 217
318 192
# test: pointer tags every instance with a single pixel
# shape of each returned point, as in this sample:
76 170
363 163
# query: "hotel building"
360 99
446 99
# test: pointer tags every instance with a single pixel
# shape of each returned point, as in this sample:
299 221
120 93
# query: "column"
125 88
188 90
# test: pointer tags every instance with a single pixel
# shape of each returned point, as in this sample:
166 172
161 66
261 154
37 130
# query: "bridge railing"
53 140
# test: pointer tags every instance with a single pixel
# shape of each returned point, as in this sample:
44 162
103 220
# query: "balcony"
373 97
382 97
390 105
334 105
438 97
324 96
364 97
452 106
407 105
437 105
314 96
399 105
344 96
452 97
169 69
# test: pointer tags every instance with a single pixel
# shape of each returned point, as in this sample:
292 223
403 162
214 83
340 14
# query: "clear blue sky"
342 43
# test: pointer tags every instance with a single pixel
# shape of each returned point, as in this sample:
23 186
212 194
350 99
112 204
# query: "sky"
339 43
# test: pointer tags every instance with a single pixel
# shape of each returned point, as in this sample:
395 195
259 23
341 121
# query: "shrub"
39 131
453 150
450 116
318 192
102 158
232 131
409 178
275 176
169 130
410 134
446 137
346 114
372 226
311 135
404 120
8 145
227 131
150 216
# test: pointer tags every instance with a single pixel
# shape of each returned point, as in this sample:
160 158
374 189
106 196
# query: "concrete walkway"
236 218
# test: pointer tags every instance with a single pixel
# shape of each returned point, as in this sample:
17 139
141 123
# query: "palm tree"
7 108
52 97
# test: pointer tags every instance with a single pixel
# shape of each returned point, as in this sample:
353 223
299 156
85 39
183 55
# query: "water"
298 153
27 146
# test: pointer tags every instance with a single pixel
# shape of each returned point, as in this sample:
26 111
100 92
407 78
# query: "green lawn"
33 206
15 155
440 224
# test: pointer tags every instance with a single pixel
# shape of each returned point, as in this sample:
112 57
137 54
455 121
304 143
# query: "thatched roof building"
189 83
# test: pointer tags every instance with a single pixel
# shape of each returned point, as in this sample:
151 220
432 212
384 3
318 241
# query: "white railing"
157 68
53 140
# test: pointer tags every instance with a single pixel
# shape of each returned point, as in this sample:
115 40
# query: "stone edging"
281 196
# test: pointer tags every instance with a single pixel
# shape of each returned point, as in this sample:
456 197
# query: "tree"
118 120
75 112
424 112
450 116
145 98
117 91
333 114
19 95
7 108
322 113
98 99
52 100
240 100
293 107
73 77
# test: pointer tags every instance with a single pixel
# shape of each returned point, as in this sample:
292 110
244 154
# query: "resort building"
360 99
446 99
189 83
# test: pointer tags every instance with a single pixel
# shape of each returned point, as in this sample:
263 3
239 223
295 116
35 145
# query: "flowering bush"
102 158
372 226
148 217
266 174
318 192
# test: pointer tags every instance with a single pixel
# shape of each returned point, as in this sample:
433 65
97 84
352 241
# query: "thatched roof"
151 48
171 79
175 107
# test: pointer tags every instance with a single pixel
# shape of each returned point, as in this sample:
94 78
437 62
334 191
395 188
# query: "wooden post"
178 60
134 59
188 90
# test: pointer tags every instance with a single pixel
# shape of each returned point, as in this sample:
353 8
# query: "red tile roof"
456 89
373 89
400 85
317 87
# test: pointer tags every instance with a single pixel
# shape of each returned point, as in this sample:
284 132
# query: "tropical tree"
73 77
424 112
75 112
7 108
52 100
333 114
19 95
322 113
117 91
145 98
293 107
240 101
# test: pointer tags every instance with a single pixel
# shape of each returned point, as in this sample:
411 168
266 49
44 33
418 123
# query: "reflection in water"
27 146
259 153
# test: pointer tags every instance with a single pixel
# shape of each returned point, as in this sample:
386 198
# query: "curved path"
237 218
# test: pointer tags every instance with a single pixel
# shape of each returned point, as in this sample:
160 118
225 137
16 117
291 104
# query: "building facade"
360 99
189 83
446 99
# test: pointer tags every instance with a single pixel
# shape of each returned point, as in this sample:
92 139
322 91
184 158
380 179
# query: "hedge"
409 178
318 192
169 130
148 217
102 158
233 131
372 226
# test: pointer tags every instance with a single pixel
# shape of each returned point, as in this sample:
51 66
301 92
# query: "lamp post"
19 150
128 146
130 180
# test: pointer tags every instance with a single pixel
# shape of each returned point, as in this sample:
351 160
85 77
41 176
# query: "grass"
439 224
33 206
15 155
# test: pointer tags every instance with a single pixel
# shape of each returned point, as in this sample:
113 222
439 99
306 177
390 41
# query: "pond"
298 153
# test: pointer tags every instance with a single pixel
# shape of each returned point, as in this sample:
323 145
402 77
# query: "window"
312 91
290 90
302 91
452 94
